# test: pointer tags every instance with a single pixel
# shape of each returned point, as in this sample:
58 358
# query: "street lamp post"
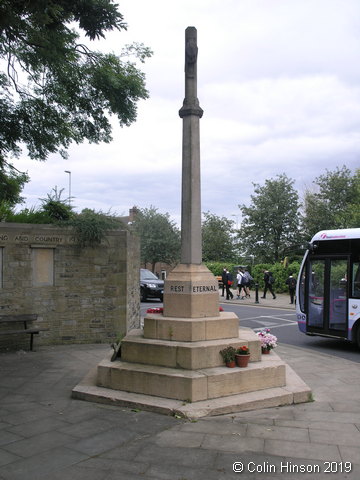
69 173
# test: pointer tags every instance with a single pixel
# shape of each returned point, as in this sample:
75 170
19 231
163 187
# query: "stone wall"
81 295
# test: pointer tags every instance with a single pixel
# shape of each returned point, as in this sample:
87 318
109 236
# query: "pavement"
46 434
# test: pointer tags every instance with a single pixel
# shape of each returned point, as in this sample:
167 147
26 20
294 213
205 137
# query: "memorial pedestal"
191 291
176 358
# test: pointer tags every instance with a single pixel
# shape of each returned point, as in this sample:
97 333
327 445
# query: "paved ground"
45 434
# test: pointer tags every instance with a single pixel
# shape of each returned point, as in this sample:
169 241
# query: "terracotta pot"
231 364
265 351
242 360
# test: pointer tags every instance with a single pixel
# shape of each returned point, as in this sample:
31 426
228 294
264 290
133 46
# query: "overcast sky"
279 83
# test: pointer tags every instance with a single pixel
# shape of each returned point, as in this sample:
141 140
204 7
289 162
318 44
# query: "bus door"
327 296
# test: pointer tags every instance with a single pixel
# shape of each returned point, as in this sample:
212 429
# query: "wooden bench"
14 320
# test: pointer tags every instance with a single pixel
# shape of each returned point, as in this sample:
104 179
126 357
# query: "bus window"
356 280
338 294
302 281
316 293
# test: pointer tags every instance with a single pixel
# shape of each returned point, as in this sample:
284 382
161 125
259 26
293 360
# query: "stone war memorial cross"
191 290
173 365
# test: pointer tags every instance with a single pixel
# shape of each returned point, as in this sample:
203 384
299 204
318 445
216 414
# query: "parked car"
150 285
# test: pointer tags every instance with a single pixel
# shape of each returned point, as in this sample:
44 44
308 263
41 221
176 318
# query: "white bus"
328 287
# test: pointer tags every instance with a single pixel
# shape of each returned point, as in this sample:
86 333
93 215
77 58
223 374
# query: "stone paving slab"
47 435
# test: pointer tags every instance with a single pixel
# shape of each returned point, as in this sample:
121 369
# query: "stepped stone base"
189 371
190 385
135 348
174 366
294 391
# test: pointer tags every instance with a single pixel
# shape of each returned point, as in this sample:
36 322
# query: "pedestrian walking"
269 280
229 282
224 280
247 281
240 284
291 283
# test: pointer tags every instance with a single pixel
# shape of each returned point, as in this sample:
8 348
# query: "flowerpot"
242 360
265 350
230 364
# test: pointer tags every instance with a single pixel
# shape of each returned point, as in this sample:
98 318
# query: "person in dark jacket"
268 283
223 279
291 283
229 282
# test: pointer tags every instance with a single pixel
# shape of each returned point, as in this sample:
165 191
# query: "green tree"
54 90
271 223
91 227
351 214
11 184
159 236
335 204
56 208
217 238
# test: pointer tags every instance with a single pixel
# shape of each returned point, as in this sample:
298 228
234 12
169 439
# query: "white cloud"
279 85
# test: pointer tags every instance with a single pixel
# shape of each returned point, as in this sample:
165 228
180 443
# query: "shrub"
216 268
55 208
31 215
279 272
91 227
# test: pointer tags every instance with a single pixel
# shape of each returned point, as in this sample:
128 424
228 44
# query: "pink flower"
267 340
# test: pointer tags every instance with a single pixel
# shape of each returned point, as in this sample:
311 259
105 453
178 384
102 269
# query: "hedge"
280 273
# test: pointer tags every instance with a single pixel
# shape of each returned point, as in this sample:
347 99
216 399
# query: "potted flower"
267 340
228 355
242 356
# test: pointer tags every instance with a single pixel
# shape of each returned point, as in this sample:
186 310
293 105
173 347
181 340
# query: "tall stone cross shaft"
191 290
191 249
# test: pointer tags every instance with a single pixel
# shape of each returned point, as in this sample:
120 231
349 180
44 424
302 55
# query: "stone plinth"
189 385
191 291
224 325
187 355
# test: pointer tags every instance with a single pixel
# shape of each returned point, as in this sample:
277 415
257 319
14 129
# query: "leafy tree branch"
55 90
